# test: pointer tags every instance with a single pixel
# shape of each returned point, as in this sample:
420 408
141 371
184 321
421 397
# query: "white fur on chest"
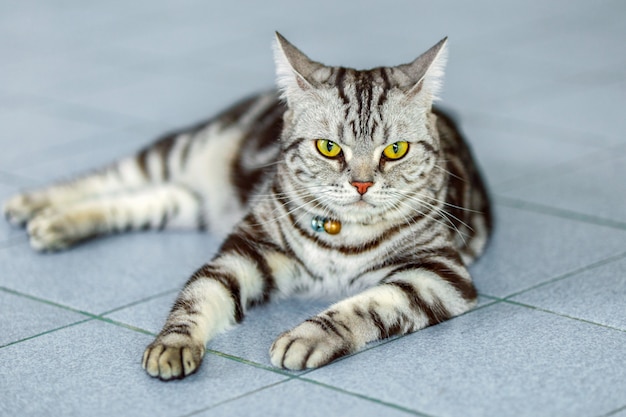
335 272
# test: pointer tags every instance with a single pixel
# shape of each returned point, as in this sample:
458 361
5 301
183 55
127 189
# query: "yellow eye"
328 148
396 150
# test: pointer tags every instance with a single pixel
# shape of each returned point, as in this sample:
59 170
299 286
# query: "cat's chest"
343 261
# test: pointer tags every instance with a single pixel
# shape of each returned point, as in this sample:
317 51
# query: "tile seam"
365 397
566 275
238 397
545 310
50 331
557 212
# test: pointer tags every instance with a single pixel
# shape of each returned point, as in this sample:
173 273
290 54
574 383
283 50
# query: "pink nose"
362 187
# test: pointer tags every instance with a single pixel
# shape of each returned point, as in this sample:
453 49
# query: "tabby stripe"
142 162
227 280
232 115
294 144
331 314
163 147
465 287
378 322
386 87
178 328
243 244
266 133
325 324
185 150
187 305
436 312
292 255
339 83
351 250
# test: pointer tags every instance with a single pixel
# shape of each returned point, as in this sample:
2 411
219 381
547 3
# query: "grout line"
558 212
392 339
566 275
565 168
48 302
137 302
211 351
365 397
46 332
238 397
251 363
517 303
614 412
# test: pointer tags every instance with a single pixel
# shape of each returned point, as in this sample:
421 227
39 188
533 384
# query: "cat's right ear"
295 72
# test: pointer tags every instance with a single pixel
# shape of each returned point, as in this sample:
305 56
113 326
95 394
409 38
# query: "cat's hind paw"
168 361
51 231
309 345
19 209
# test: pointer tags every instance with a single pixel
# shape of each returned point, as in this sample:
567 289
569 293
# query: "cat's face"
359 145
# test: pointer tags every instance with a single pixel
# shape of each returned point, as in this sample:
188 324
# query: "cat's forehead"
361 107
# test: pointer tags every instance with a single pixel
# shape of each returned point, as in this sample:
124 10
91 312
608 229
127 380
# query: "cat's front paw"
173 360
309 345
21 208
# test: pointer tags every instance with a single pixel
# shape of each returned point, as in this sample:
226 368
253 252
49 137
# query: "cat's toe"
172 361
21 208
49 233
308 346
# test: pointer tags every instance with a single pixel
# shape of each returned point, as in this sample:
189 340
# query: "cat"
339 182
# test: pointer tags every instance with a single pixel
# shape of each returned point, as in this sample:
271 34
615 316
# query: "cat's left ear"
295 72
424 76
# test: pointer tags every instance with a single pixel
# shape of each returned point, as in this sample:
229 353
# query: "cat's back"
467 206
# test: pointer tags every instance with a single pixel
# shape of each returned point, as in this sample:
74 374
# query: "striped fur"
253 175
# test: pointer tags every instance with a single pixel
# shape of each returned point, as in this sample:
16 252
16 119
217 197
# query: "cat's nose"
362 187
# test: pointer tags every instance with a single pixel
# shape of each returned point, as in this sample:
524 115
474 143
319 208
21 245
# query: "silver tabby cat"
344 182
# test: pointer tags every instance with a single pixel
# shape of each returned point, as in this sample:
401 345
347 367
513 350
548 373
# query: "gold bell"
332 227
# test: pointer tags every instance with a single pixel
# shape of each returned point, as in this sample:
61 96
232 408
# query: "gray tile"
173 100
511 157
23 317
298 398
24 132
65 161
584 46
529 248
596 188
597 295
58 72
107 273
8 232
95 369
501 360
621 412
596 110
250 340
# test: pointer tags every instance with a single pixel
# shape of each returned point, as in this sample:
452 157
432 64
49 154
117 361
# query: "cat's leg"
156 207
247 270
411 297
119 177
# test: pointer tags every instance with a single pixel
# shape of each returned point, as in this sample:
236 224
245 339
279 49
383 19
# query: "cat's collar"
324 224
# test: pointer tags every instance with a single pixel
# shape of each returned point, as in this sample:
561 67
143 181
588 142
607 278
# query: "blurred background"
539 88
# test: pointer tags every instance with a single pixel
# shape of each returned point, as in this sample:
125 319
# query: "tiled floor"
540 88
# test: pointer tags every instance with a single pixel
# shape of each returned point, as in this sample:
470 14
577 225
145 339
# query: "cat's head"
360 145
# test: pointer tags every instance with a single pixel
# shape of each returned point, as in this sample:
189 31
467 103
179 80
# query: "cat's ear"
424 76
295 72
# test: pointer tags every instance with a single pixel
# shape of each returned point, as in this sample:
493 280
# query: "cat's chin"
362 212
